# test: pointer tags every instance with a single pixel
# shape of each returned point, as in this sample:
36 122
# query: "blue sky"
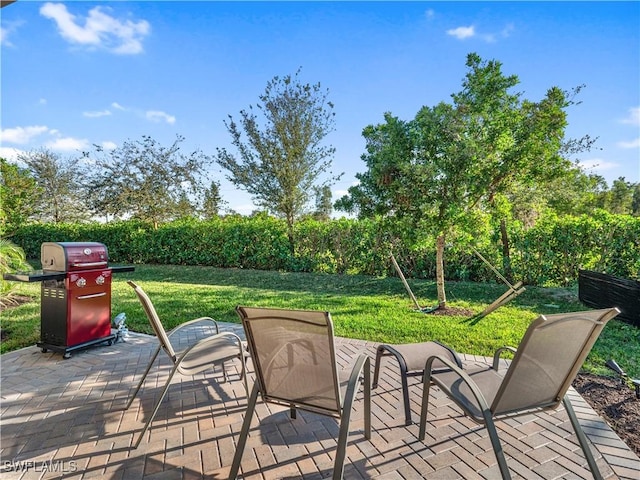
76 74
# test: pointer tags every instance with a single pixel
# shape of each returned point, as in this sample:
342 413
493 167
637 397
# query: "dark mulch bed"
450 311
615 402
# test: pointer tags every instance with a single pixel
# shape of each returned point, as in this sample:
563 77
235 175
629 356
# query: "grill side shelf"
34 276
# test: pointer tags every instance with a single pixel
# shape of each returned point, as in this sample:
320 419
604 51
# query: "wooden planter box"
599 290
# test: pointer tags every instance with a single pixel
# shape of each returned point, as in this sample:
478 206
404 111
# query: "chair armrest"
482 403
461 373
427 367
210 339
498 352
191 322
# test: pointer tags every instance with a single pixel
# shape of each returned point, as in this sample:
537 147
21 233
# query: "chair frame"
487 416
360 373
386 350
164 343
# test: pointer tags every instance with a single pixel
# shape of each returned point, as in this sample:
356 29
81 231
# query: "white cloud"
4 37
158 116
42 101
506 31
7 29
430 13
100 30
597 164
245 209
340 193
633 118
632 144
108 145
488 37
103 113
22 135
10 153
67 144
462 32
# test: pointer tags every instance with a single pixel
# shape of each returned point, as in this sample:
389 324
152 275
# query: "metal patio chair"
295 363
198 357
411 358
545 364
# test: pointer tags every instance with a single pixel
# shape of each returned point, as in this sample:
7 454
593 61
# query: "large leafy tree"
281 156
19 194
635 201
324 204
58 197
619 199
212 201
438 174
144 180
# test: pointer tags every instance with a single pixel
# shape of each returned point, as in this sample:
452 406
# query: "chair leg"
244 432
157 406
367 400
380 352
424 407
376 367
224 372
497 446
243 373
144 376
405 391
582 439
363 362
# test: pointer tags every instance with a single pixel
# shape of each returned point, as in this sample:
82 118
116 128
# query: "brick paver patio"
64 419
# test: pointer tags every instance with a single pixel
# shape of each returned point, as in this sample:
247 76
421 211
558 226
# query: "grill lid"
71 256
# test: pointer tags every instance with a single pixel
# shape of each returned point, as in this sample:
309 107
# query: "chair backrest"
154 320
548 358
294 357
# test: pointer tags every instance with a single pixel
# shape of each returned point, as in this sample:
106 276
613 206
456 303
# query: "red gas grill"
75 310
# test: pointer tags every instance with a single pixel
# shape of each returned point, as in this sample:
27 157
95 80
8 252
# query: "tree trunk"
290 236
442 296
506 251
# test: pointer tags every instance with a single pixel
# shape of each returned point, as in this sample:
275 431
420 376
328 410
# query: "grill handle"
93 295
89 264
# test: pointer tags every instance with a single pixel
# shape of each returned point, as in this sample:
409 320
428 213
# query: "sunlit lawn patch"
375 309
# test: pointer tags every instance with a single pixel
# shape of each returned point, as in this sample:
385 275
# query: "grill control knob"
100 280
81 282
87 251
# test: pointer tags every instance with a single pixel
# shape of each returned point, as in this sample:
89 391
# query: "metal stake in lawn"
406 285
513 292
613 365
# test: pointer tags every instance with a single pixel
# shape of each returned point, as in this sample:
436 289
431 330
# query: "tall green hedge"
551 253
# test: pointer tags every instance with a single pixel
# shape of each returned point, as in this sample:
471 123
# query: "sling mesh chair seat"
294 357
411 358
198 357
545 364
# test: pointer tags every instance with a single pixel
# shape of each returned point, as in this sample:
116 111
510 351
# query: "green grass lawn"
368 308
